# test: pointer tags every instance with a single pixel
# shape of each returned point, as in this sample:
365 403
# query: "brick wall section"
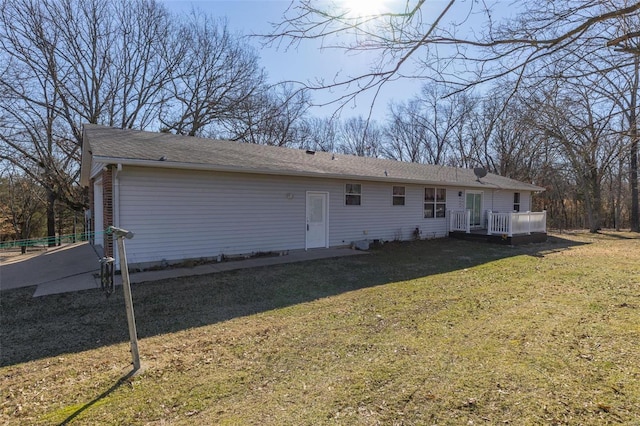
107 202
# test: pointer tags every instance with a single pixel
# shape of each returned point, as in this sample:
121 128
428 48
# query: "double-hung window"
353 194
435 202
516 201
398 195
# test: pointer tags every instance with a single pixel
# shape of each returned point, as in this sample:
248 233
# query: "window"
353 194
398 195
516 201
435 202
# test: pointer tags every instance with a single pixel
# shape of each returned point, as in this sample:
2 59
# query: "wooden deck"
481 235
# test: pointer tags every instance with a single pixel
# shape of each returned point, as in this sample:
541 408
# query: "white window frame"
351 193
435 203
395 196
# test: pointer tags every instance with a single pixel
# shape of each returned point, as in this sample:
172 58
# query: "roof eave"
281 172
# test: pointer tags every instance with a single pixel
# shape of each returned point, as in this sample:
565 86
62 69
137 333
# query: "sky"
307 62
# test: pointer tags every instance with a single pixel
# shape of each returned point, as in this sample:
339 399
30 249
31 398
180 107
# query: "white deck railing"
501 223
516 223
460 220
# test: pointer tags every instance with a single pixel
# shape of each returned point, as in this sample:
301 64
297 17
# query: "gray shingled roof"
116 146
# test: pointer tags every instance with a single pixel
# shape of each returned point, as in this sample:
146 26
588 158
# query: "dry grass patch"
430 332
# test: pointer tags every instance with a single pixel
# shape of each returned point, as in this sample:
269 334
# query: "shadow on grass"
619 236
35 328
100 397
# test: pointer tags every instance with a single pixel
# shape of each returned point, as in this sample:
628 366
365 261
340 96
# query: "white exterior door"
317 220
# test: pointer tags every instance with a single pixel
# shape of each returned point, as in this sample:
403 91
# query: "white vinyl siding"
503 201
186 214
181 214
96 169
379 219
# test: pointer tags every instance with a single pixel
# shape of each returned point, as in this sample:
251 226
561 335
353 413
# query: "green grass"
429 332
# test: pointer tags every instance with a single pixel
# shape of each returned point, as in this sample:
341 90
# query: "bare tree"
360 137
216 75
22 202
622 86
405 137
580 124
69 62
319 134
507 140
272 115
33 141
613 184
609 62
435 37
429 125
144 55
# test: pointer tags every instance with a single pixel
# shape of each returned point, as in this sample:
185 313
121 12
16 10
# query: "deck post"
528 223
510 225
489 222
467 224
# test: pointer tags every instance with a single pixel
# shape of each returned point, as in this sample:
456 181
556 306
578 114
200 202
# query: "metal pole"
124 270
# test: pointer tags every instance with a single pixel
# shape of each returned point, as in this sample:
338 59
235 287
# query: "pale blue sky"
307 62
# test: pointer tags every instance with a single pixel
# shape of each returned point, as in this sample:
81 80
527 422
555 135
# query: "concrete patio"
74 267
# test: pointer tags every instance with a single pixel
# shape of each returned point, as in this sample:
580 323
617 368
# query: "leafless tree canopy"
437 40
121 63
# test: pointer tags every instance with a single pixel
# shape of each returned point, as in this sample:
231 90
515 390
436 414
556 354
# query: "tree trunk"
633 160
60 227
618 196
633 166
593 200
51 218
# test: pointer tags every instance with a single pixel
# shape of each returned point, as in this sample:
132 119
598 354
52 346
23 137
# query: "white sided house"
192 198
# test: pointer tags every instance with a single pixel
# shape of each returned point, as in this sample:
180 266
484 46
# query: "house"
191 198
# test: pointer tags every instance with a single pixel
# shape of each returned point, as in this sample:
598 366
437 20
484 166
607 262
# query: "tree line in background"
568 124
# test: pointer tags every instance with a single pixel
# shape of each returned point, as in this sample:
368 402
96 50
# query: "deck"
511 228
514 240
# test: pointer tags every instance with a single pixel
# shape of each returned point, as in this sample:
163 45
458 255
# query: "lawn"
420 333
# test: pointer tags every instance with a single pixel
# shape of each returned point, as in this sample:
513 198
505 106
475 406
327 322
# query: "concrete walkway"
69 267
75 267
